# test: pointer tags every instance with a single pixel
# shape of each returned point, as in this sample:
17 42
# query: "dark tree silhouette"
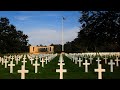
100 31
11 40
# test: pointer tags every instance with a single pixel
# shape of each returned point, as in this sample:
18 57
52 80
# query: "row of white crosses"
98 53
46 57
99 70
72 57
6 59
23 71
61 63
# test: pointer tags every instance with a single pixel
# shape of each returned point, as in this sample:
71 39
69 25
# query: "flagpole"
62 37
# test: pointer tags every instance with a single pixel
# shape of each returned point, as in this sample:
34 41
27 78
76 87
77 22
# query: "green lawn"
76 72
49 71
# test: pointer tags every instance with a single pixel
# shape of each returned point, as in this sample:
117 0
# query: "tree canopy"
11 39
100 31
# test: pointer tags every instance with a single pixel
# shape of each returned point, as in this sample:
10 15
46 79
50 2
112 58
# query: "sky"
45 27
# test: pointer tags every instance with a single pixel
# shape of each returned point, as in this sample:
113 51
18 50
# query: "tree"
11 40
57 48
101 29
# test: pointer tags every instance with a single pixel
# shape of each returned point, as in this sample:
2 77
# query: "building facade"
41 49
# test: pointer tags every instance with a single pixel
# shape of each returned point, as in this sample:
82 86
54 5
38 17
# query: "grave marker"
23 71
80 60
98 60
24 61
91 59
42 61
111 63
76 59
31 60
46 60
36 66
99 70
11 66
12 58
117 60
105 60
86 65
5 63
17 59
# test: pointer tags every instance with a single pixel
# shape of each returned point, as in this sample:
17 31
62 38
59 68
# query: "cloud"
47 36
22 18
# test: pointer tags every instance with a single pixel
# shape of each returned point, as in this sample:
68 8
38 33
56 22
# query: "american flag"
64 18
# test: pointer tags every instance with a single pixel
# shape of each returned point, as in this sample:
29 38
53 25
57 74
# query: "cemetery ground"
49 70
76 72
46 72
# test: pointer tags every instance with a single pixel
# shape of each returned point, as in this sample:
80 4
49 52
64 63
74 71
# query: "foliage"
99 31
11 40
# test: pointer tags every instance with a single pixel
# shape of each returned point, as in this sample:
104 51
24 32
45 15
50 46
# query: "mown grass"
76 72
49 70
46 72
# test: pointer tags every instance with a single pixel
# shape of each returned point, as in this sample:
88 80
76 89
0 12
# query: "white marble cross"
98 60
12 58
91 59
36 58
46 60
117 64
42 61
61 70
5 63
85 57
11 66
76 59
73 58
79 60
105 60
24 61
99 70
17 59
5 57
86 65
15 56
23 71
61 64
61 60
36 66
40 58
9 57
111 63
31 60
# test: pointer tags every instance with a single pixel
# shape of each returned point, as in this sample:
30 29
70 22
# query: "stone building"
41 49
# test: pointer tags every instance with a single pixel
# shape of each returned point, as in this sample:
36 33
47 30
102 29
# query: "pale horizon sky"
44 27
